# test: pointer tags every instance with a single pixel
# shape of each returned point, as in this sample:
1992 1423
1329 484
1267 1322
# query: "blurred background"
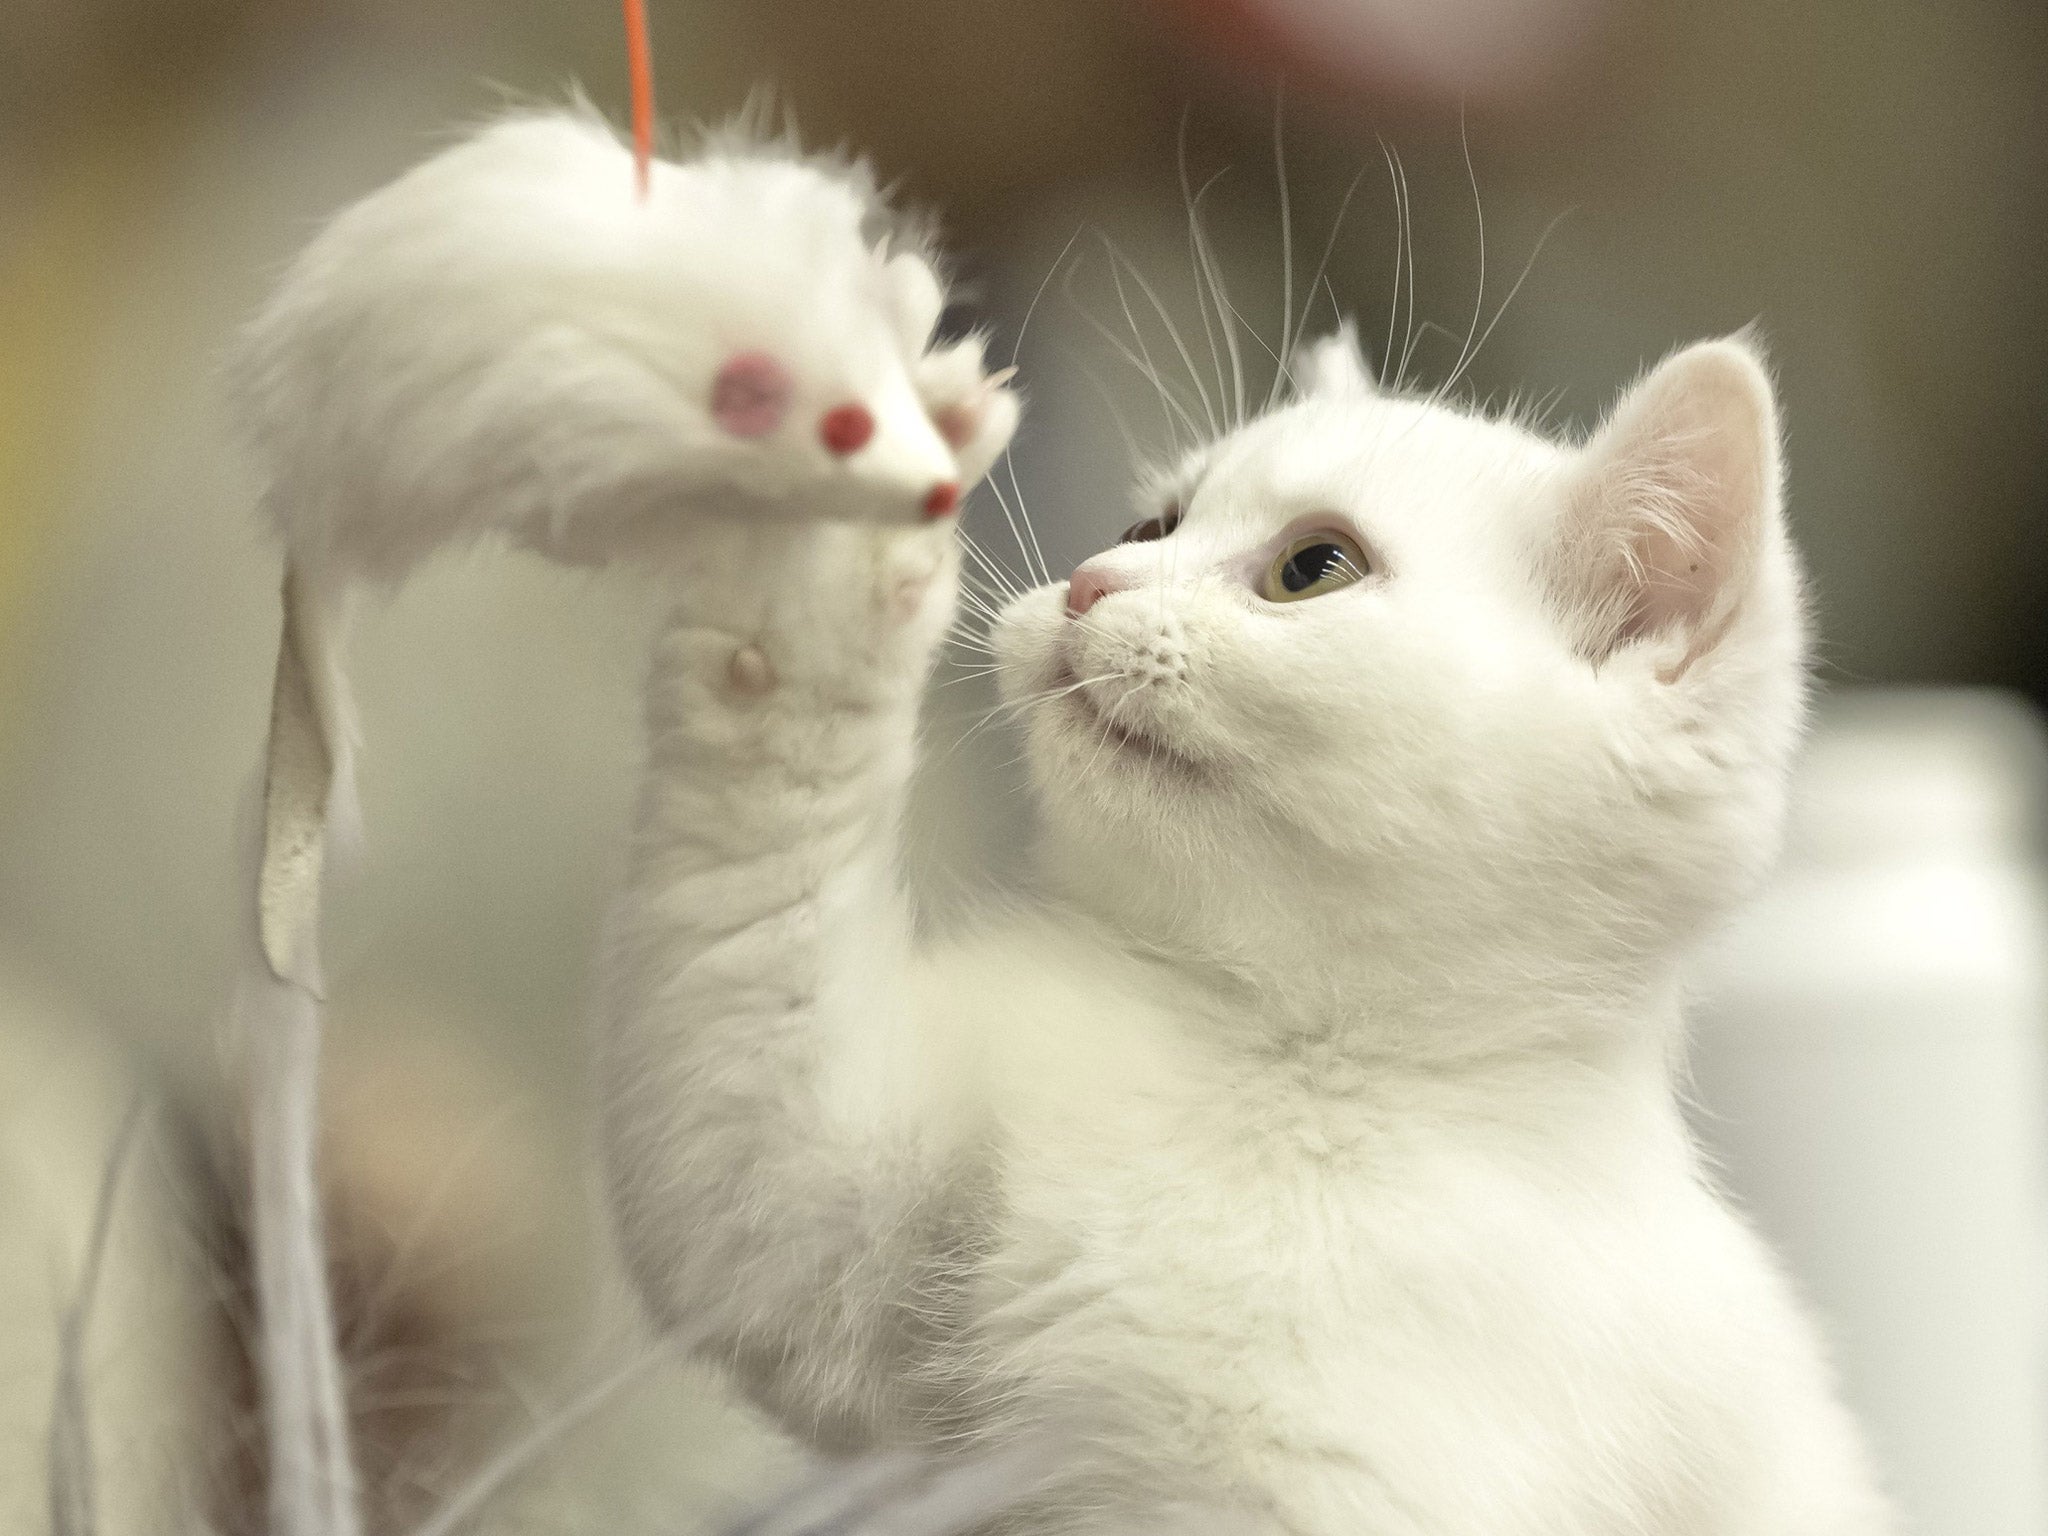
1865 180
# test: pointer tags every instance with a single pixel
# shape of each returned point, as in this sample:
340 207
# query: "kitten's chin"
1093 736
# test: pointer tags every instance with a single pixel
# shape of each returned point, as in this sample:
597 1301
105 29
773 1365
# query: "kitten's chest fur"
1295 1269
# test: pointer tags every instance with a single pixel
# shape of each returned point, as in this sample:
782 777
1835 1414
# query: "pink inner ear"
1666 532
751 394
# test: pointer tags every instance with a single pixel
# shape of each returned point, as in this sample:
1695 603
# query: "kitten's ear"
1676 496
1331 367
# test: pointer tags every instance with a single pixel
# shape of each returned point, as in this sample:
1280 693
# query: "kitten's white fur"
1310 1150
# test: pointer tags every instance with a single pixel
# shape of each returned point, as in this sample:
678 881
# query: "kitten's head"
1375 668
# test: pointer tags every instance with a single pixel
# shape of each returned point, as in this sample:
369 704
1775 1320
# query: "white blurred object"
146 1348
1869 1059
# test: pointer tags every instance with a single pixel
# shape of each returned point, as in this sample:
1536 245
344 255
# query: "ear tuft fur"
1332 367
1675 496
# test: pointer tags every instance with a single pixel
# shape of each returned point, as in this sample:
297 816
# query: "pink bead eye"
846 429
751 394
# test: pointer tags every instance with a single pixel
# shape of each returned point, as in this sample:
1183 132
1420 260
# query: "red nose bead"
846 429
944 498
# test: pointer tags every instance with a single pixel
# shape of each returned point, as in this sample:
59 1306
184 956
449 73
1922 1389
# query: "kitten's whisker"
1408 247
1192 199
965 674
1043 283
1116 414
1108 734
1330 292
987 590
1479 298
1117 258
1253 332
972 630
1016 349
1543 409
968 735
1025 551
1286 248
1017 490
1321 278
972 645
974 638
967 641
1206 255
1394 303
1009 707
1423 331
1527 267
1116 280
1108 725
1049 695
994 570
1167 397
976 618
1175 414
985 602
982 562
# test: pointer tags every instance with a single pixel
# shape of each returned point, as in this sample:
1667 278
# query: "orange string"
640 66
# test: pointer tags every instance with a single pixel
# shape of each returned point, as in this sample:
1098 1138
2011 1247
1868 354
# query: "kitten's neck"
1323 955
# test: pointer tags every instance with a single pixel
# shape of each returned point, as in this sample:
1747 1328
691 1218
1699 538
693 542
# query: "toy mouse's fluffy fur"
506 340
1310 1151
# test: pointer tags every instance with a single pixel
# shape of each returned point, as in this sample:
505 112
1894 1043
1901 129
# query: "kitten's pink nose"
1089 585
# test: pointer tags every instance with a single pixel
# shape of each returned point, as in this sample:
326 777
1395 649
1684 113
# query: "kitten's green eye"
1313 564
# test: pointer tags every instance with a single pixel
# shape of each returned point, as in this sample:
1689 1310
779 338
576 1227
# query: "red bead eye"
944 497
846 429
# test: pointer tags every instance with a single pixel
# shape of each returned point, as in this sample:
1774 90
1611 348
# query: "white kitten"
1310 1151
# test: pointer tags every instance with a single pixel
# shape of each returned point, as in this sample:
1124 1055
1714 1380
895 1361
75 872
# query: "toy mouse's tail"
306 791
307 780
